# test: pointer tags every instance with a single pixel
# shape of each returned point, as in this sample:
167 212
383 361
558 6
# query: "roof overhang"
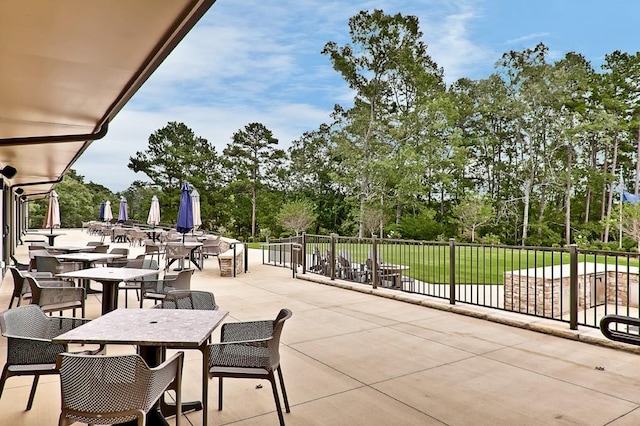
68 67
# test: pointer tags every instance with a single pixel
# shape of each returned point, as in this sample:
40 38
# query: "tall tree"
175 155
388 68
253 158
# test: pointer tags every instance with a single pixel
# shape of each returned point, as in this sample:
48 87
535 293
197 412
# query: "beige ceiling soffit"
175 34
36 140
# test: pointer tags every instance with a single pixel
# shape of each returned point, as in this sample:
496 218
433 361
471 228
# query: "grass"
430 263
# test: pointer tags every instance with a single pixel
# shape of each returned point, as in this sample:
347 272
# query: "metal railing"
284 254
572 285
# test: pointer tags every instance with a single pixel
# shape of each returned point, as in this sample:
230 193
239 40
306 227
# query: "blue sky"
255 61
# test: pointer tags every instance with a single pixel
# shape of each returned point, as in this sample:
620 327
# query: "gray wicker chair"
157 290
55 266
53 296
138 263
211 247
189 299
250 350
21 288
118 262
176 251
29 349
115 389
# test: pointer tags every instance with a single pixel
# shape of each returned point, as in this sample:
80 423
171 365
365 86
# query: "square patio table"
154 330
109 277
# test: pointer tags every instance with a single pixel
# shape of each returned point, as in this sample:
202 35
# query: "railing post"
246 257
452 271
573 287
267 244
374 261
303 252
234 260
332 256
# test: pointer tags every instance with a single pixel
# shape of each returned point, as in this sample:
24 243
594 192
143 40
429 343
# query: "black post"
246 257
234 259
452 271
303 252
332 256
374 261
573 287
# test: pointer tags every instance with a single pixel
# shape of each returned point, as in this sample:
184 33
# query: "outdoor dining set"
342 266
97 388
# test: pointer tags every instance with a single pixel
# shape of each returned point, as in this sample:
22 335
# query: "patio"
350 357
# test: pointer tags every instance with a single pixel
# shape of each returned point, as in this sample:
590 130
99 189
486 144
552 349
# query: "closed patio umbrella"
154 212
101 212
185 211
123 216
108 215
53 213
195 206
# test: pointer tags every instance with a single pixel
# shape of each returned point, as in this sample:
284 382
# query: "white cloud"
535 36
256 61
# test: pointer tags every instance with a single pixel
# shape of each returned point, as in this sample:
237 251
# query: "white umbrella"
108 215
154 212
53 213
195 203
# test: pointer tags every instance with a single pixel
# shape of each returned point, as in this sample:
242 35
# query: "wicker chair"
157 290
55 266
176 251
115 389
250 350
152 248
21 288
211 247
29 349
118 262
189 299
53 296
138 263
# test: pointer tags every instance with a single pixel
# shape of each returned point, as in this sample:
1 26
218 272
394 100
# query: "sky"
255 61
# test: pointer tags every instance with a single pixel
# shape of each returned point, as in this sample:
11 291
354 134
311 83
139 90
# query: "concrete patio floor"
354 358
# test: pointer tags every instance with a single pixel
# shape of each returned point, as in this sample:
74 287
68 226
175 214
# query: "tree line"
531 155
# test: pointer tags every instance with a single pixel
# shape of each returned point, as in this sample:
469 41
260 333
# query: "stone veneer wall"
546 297
226 259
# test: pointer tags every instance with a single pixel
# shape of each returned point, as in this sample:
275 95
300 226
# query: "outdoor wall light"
8 171
19 191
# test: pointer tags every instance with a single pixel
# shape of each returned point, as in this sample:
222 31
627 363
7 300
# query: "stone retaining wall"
226 258
538 294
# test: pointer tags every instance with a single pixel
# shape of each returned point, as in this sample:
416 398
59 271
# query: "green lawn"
474 264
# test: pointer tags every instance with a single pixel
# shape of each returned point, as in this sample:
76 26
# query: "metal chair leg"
284 391
33 391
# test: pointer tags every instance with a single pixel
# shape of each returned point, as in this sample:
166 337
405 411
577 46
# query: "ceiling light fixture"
8 171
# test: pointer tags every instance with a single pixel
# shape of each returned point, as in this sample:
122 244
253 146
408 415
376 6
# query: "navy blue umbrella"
185 211
101 213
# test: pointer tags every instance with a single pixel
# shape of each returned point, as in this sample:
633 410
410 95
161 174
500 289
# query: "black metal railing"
577 286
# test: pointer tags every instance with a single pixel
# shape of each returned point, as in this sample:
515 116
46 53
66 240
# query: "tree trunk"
637 164
610 200
527 200
253 210
567 214
364 186
543 206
